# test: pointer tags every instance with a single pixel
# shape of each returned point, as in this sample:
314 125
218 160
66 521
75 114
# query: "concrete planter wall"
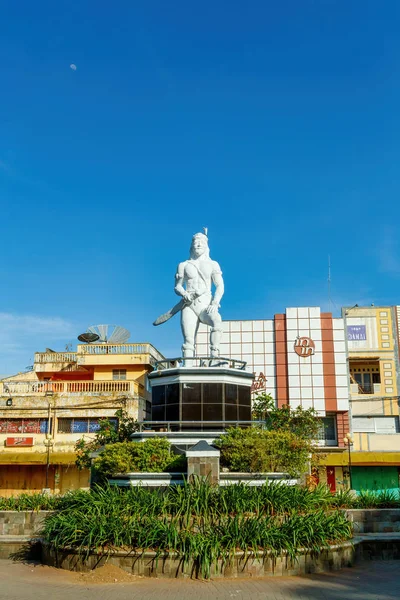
255 479
164 479
371 520
18 531
171 566
25 523
146 479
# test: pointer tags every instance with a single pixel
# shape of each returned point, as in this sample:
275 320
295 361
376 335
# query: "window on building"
376 424
327 434
387 424
82 425
24 426
364 382
119 374
365 377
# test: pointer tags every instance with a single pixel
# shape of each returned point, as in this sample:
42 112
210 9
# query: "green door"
375 478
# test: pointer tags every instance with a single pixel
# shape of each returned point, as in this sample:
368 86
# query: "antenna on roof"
110 334
329 283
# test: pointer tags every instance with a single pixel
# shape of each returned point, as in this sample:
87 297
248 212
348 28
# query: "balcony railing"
55 357
72 387
200 361
195 425
105 349
366 388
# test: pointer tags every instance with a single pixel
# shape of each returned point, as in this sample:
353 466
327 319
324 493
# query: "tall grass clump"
30 502
199 522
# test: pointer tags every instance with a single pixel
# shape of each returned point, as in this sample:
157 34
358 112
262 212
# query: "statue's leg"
215 322
189 324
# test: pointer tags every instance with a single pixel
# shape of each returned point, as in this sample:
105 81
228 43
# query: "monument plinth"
201 397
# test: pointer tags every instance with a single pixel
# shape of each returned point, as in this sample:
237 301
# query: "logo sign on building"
13 442
304 347
356 333
259 384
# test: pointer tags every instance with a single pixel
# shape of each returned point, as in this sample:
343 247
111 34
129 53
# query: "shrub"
151 456
302 422
256 450
115 458
110 432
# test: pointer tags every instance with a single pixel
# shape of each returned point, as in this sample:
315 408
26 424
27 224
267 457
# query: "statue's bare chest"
195 270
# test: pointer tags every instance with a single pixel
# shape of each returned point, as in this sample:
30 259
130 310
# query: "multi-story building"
372 348
298 357
45 411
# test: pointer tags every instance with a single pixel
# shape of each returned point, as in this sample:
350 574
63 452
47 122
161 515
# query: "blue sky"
274 124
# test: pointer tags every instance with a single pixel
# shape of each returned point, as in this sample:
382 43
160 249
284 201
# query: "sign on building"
259 384
19 441
304 346
356 333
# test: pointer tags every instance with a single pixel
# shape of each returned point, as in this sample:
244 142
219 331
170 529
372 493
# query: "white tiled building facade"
268 346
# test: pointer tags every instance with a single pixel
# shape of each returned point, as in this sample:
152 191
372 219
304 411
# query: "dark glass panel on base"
191 412
172 393
231 393
244 395
212 412
158 413
172 412
212 393
158 395
191 393
231 412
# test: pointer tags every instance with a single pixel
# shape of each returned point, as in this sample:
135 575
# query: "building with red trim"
300 357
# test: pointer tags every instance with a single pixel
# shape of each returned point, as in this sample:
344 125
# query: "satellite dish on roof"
110 334
88 337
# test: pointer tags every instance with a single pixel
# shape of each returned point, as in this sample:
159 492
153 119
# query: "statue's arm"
219 285
179 281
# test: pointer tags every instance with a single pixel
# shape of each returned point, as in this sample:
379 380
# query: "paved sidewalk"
368 581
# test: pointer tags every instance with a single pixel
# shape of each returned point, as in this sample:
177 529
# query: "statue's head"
199 246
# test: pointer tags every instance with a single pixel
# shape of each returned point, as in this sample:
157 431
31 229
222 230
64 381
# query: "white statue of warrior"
193 281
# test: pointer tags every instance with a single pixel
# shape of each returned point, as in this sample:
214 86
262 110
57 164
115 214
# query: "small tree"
109 433
254 449
263 404
302 422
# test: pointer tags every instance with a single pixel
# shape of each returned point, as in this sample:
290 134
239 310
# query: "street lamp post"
348 440
48 442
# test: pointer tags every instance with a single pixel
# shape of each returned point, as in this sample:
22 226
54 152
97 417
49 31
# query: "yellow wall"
341 483
133 372
385 442
361 458
114 359
384 327
361 442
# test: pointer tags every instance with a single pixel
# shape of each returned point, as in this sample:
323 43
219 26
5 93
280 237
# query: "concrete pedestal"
203 462
200 398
